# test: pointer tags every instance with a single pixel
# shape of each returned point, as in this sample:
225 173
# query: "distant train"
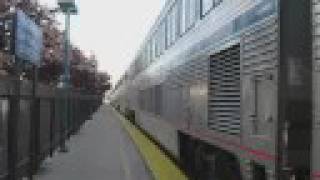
231 88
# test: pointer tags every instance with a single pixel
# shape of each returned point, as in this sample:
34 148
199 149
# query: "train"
230 88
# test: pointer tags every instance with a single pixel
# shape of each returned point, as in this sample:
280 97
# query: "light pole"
68 7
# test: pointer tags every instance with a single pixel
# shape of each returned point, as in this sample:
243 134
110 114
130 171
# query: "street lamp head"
68 6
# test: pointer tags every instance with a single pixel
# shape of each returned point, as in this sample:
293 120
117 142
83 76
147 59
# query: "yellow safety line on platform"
160 165
125 165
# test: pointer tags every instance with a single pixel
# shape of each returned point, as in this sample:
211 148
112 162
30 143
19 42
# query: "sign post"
68 7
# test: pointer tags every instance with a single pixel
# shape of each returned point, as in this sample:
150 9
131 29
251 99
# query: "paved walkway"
101 151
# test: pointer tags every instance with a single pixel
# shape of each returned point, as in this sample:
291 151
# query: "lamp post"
68 7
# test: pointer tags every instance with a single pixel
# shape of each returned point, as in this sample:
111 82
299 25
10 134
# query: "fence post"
12 134
13 122
52 125
34 136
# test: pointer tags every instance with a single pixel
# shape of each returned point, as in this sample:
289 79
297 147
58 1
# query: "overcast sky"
113 30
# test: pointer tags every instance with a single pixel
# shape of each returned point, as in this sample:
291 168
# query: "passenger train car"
231 88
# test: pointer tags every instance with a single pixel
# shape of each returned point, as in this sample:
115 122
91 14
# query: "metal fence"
32 124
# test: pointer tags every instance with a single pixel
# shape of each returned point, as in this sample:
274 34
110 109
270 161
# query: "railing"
32 127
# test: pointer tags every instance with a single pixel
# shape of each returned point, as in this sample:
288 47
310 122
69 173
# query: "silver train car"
231 87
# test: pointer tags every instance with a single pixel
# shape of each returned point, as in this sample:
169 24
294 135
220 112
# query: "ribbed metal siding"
188 73
260 48
224 91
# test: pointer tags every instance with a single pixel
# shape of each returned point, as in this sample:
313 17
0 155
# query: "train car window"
159 41
142 59
157 44
172 25
176 21
188 14
192 13
183 16
206 6
152 50
162 34
145 60
168 30
147 53
145 57
154 46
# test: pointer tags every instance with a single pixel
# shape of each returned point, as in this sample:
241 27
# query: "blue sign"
28 39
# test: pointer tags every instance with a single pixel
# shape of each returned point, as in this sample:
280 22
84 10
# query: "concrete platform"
103 150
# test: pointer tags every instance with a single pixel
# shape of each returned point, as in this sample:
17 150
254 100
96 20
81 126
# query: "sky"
112 30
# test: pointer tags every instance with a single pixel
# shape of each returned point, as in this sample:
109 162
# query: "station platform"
109 148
